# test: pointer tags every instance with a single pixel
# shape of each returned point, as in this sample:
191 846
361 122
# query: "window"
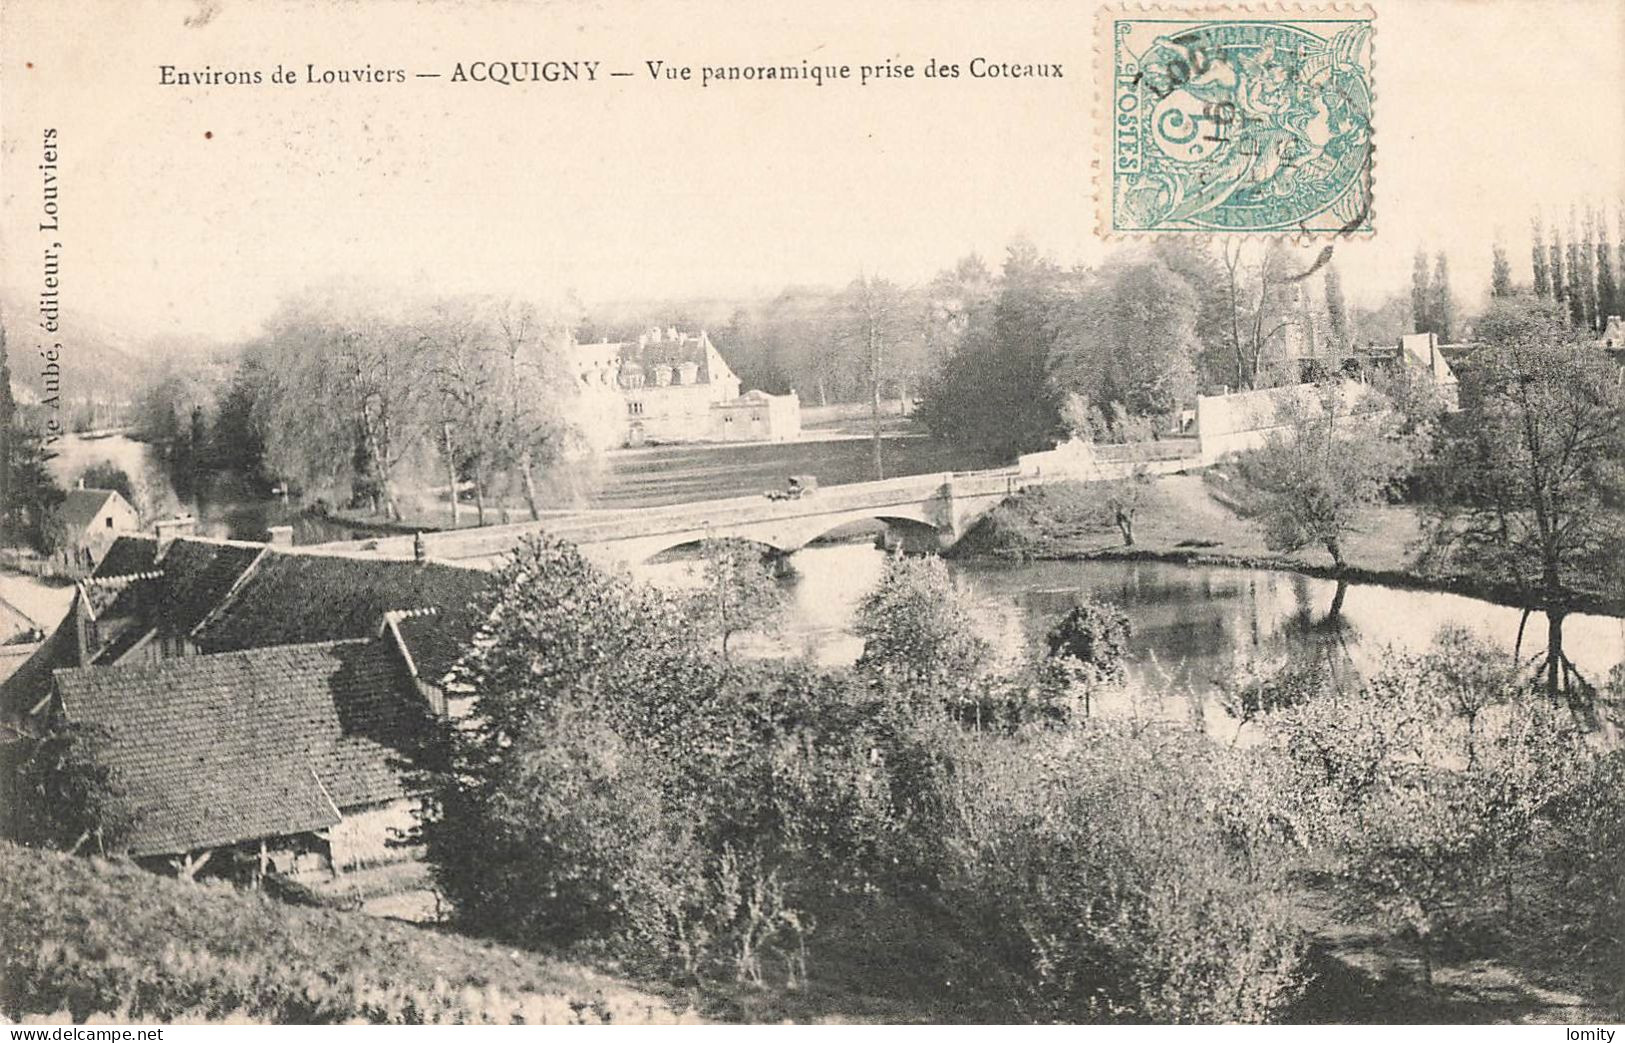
109 521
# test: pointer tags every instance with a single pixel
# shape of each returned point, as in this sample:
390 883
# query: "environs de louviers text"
526 72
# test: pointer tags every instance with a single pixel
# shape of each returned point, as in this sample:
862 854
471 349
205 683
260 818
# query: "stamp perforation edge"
1105 97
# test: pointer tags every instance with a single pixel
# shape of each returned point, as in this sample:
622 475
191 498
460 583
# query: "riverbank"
1184 521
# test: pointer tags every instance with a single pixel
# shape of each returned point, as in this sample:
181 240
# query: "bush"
1431 788
917 623
1114 884
1094 634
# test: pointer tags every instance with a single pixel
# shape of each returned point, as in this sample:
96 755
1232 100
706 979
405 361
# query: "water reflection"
1192 624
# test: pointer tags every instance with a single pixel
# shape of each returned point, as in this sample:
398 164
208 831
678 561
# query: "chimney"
279 535
169 528
81 481
419 551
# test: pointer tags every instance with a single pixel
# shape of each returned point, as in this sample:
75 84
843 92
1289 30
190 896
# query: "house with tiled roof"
191 596
92 519
285 758
258 701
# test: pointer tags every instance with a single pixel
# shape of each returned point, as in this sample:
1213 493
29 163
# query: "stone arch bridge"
940 507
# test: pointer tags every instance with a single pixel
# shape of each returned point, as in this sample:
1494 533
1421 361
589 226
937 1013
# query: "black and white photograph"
952 513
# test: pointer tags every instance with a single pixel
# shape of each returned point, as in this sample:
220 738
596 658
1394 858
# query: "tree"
875 327
8 431
994 396
1130 337
1260 307
1609 300
739 590
1533 463
1310 483
1560 287
65 794
1123 499
1588 278
1421 294
1441 303
1538 259
1337 314
34 495
108 475
1500 272
454 336
1577 281
1205 274
915 622
537 391
1094 635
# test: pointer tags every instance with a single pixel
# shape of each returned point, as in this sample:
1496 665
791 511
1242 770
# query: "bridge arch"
691 544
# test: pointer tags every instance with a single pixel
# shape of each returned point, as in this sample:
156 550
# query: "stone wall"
1231 424
363 836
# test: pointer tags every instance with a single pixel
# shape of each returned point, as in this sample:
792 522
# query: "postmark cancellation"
1236 120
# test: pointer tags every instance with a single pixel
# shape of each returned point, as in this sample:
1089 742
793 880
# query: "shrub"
917 623
1114 886
1094 634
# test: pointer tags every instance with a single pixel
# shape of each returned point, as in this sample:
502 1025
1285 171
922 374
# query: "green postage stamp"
1232 121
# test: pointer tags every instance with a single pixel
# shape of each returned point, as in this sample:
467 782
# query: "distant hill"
98 361
104 939
102 365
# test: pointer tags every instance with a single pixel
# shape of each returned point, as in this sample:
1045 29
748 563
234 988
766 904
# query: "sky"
190 211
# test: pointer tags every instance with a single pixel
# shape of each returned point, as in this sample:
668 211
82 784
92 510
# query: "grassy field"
659 475
1185 514
90 938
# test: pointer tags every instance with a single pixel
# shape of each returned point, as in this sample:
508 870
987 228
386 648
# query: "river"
1192 625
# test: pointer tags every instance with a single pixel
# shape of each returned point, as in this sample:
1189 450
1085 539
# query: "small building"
283 759
1417 353
1613 338
757 416
93 518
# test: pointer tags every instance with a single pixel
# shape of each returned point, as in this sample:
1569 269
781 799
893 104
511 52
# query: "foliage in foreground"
1450 799
101 939
623 789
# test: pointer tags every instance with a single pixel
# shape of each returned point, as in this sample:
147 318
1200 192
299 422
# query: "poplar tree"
1537 255
1420 294
1608 296
1588 275
1577 293
1500 273
1559 287
1441 304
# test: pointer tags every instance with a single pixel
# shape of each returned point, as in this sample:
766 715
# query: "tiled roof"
31 682
80 507
668 351
197 576
291 598
283 599
216 749
128 556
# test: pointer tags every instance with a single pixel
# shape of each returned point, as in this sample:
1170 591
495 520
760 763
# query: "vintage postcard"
946 512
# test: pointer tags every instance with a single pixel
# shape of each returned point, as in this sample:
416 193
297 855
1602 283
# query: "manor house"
670 386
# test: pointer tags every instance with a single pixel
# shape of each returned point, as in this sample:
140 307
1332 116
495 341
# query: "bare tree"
876 327
535 385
